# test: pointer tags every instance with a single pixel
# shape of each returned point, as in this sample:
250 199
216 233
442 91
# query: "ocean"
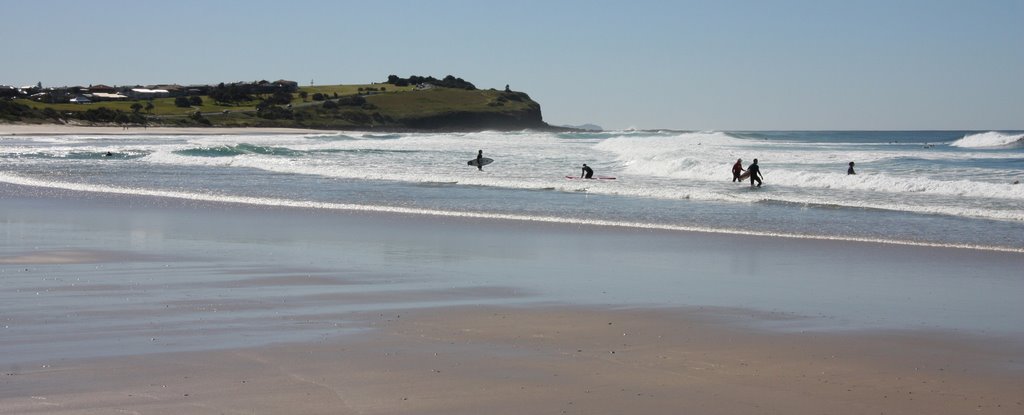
929 188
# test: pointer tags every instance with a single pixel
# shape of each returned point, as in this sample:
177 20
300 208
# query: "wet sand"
496 360
122 304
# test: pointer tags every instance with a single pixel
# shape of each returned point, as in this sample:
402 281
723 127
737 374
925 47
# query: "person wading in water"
755 173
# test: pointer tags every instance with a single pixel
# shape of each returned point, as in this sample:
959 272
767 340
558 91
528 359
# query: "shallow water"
945 188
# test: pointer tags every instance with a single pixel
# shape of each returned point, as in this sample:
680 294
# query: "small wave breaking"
990 139
237 150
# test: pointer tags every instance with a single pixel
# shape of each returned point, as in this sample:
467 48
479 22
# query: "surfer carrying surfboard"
755 173
480 160
588 173
737 169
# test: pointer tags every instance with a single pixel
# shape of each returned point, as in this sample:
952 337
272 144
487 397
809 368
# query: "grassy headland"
342 107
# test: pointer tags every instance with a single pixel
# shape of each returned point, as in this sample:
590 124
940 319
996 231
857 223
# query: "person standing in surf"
587 173
850 170
755 173
480 160
737 170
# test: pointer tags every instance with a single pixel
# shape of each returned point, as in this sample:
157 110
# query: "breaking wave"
237 150
990 139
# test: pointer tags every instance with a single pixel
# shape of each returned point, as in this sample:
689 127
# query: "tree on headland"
136 107
279 97
181 102
150 106
231 93
448 81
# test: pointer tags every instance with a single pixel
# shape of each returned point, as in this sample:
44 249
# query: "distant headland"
398 104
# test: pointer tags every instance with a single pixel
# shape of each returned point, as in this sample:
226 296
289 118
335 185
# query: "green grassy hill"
373 106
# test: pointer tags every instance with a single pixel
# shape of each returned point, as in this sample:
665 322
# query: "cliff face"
528 118
454 109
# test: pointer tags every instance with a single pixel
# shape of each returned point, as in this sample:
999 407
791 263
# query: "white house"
146 93
103 96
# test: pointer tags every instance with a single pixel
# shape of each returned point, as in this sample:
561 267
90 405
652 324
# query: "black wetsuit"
755 172
850 171
588 172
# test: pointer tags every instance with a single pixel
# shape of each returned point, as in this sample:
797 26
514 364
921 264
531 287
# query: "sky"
688 65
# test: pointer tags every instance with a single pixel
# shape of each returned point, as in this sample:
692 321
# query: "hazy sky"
725 65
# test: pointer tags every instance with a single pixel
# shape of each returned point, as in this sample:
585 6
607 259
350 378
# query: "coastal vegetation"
413 103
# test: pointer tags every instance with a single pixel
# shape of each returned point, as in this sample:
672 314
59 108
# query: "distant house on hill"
102 96
81 99
9 92
30 89
289 86
172 90
102 89
146 93
197 89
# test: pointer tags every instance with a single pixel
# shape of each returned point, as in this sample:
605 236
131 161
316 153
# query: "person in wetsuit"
737 170
480 160
588 173
755 173
850 170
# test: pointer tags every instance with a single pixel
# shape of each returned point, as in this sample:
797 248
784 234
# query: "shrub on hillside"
356 117
101 114
51 113
13 111
199 118
352 100
273 112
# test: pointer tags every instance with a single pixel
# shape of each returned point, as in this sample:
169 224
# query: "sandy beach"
541 360
124 304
